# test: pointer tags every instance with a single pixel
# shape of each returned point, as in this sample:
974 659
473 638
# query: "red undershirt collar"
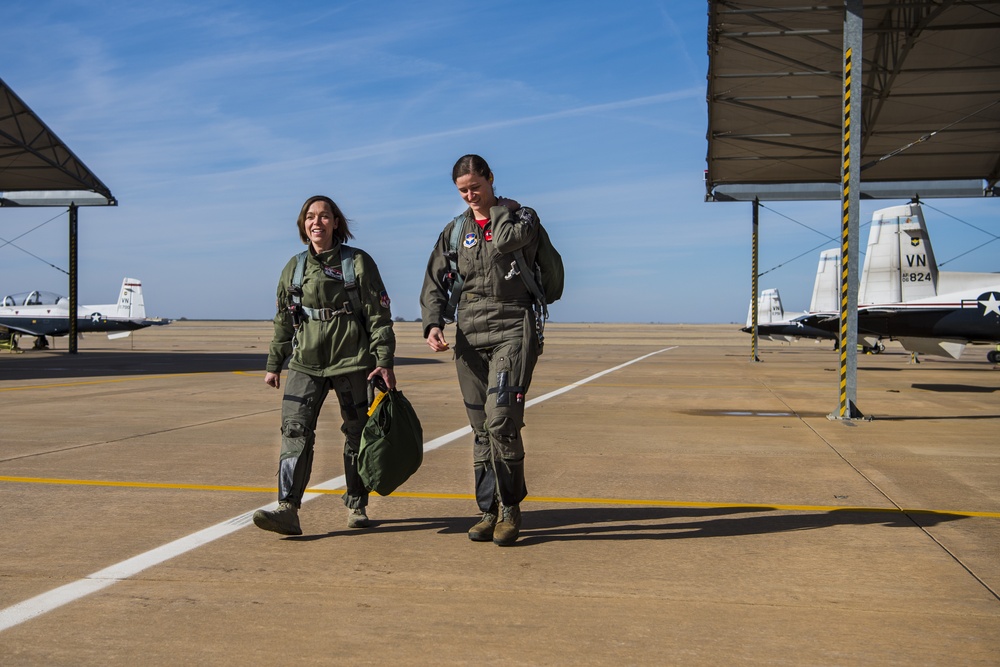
487 233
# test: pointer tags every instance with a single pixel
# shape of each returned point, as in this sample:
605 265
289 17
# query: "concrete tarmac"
687 506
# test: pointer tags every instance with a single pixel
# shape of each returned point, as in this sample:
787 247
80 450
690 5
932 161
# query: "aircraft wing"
932 346
22 329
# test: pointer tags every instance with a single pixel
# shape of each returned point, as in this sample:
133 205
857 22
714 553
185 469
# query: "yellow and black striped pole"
851 185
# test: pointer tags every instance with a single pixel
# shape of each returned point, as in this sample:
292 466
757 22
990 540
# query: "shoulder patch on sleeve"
526 215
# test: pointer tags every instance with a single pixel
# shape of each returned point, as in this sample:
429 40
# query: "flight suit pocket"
507 282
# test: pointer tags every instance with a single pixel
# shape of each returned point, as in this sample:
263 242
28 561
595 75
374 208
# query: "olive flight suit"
495 343
332 350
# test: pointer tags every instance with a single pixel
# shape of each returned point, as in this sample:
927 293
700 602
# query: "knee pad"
296 438
292 428
504 428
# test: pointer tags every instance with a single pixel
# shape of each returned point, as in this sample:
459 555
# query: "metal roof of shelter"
930 101
36 167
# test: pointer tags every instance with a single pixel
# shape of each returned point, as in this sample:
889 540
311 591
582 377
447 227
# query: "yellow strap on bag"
378 399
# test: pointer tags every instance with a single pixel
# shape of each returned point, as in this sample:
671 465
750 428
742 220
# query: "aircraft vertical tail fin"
130 303
899 262
826 289
768 308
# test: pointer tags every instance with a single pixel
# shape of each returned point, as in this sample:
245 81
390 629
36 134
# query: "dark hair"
341 233
471 164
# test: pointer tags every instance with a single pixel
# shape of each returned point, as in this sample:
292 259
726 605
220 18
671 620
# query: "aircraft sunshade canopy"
930 95
33 158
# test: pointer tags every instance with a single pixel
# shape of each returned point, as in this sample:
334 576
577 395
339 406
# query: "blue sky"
211 122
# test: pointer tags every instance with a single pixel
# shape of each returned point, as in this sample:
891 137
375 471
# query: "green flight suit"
495 342
334 355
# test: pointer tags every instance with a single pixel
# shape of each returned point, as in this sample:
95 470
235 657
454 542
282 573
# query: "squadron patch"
334 273
383 299
470 240
488 234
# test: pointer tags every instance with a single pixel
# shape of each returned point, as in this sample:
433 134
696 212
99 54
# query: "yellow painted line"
530 499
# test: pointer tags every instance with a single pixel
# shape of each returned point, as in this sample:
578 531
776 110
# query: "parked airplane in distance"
773 323
939 325
903 296
43 314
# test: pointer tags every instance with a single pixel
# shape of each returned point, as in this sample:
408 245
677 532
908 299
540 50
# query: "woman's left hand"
509 203
387 375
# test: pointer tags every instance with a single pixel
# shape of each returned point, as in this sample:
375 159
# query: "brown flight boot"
508 527
284 520
357 518
483 531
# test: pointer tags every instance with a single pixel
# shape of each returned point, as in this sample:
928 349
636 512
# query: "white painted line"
57 597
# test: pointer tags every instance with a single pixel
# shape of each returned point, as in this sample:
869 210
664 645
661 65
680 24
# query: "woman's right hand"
436 341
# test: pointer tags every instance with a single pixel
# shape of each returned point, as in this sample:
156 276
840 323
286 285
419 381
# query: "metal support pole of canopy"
73 294
851 184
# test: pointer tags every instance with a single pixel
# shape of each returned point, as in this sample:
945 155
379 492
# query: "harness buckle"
327 314
514 271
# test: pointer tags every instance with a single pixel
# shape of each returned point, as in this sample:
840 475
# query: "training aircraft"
903 296
939 325
774 324
43 314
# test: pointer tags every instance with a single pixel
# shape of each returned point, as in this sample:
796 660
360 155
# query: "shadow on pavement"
656 523
614 523
443 524
957 388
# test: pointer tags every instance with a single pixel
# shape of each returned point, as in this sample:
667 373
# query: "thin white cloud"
416 141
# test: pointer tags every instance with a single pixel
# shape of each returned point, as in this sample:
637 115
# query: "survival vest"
350 307
544 280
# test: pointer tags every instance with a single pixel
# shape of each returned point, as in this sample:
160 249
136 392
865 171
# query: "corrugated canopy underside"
930 84
33 158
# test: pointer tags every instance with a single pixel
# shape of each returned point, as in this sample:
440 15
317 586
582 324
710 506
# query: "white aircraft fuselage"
46 314
902 295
